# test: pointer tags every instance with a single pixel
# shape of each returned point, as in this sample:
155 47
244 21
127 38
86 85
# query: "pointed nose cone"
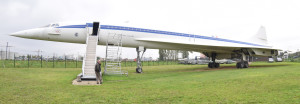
31 33
19 34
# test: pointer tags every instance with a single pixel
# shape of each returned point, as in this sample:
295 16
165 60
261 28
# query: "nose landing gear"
138 59
242 63
213 64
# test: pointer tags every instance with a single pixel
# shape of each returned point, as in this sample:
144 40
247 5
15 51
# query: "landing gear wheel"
216 65
139 70
246 65
210 65
213 65
239 65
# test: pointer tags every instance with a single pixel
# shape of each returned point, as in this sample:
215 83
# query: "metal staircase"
90 58
114 55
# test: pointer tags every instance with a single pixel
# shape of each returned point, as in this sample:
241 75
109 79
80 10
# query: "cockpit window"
52 25
47 25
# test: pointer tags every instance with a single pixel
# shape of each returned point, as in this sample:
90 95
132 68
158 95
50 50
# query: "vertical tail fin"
260 37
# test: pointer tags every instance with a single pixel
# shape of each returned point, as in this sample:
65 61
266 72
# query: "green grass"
262 83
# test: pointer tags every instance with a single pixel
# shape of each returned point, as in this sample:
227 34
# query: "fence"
65 63
292 59
40 64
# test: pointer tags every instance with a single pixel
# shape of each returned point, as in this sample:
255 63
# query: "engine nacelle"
224 56
264 52
219 55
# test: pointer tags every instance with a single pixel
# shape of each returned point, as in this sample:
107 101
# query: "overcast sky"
235 19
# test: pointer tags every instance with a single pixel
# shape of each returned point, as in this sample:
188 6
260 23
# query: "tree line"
165 54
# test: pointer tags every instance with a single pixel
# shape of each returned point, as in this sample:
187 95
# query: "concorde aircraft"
213 47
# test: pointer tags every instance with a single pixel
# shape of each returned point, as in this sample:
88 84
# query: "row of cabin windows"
52 25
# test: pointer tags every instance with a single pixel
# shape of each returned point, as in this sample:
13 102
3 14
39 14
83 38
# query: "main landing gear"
242 63
213 64
138 59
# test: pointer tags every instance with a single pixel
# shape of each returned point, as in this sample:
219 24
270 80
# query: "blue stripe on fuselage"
73 26
159 32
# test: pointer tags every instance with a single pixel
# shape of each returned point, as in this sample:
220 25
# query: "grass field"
262 83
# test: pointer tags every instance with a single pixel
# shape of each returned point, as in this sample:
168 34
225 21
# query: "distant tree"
162 54
23 57
176 54
172 54
168 54
185 54
281 54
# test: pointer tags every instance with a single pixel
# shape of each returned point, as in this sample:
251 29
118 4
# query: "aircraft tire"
239 65
210 65
216 65
246 65
139 70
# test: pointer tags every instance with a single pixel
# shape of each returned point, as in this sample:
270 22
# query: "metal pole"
76 61
65 61
6 50
14 60
53 61
28 61
9 53
41 61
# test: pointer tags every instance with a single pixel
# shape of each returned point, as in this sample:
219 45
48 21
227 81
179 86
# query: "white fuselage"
135 37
